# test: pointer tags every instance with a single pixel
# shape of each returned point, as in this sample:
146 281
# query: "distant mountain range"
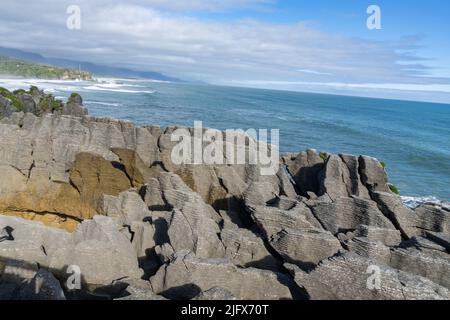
96 69
26 69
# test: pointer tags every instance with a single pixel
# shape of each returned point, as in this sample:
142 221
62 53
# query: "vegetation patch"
323 156
14 67
394 189
50 104
16 102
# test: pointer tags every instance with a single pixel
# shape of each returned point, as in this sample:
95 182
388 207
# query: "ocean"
412 138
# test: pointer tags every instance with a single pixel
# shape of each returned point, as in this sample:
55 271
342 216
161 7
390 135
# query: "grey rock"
102 253
388 237
405 219
433 218
286 183
126 208
192 225
424 243
332 179
45 286
290 228
74 106
165 253
346 214
373 175
427 264
346 277
31 241
18 272
305 247
353 179
143 239
6 108
138 290
366 248
5 234
29 105
245 249
305 168
440 238
187 276
215 293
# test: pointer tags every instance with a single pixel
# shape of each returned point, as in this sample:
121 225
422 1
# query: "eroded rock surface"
103 197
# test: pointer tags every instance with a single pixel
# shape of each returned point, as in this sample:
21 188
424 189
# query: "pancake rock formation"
95 208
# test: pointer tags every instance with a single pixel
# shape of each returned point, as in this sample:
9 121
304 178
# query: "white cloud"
207 5
314 72
443 88
137 35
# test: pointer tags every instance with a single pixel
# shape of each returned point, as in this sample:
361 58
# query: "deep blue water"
412 138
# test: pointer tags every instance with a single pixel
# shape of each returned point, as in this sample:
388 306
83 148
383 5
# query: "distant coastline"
23 69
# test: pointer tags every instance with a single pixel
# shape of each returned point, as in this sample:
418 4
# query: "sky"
320 46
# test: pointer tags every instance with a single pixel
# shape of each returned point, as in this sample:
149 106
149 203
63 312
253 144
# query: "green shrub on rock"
48 104
75 95
4 92
394 189
34 91
14 100
19 91
323 156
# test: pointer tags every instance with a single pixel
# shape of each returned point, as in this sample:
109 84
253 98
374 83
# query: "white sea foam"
130 80
112 88
111 104
414 202
49 86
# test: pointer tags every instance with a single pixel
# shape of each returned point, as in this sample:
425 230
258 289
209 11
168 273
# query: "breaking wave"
414 202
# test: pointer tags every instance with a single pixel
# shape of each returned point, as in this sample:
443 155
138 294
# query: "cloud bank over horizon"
159 35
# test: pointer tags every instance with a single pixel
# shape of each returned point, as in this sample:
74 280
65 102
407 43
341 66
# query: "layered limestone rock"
186 276
97 248
104 197
347 277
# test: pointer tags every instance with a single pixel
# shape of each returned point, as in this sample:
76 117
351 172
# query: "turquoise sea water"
412 138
